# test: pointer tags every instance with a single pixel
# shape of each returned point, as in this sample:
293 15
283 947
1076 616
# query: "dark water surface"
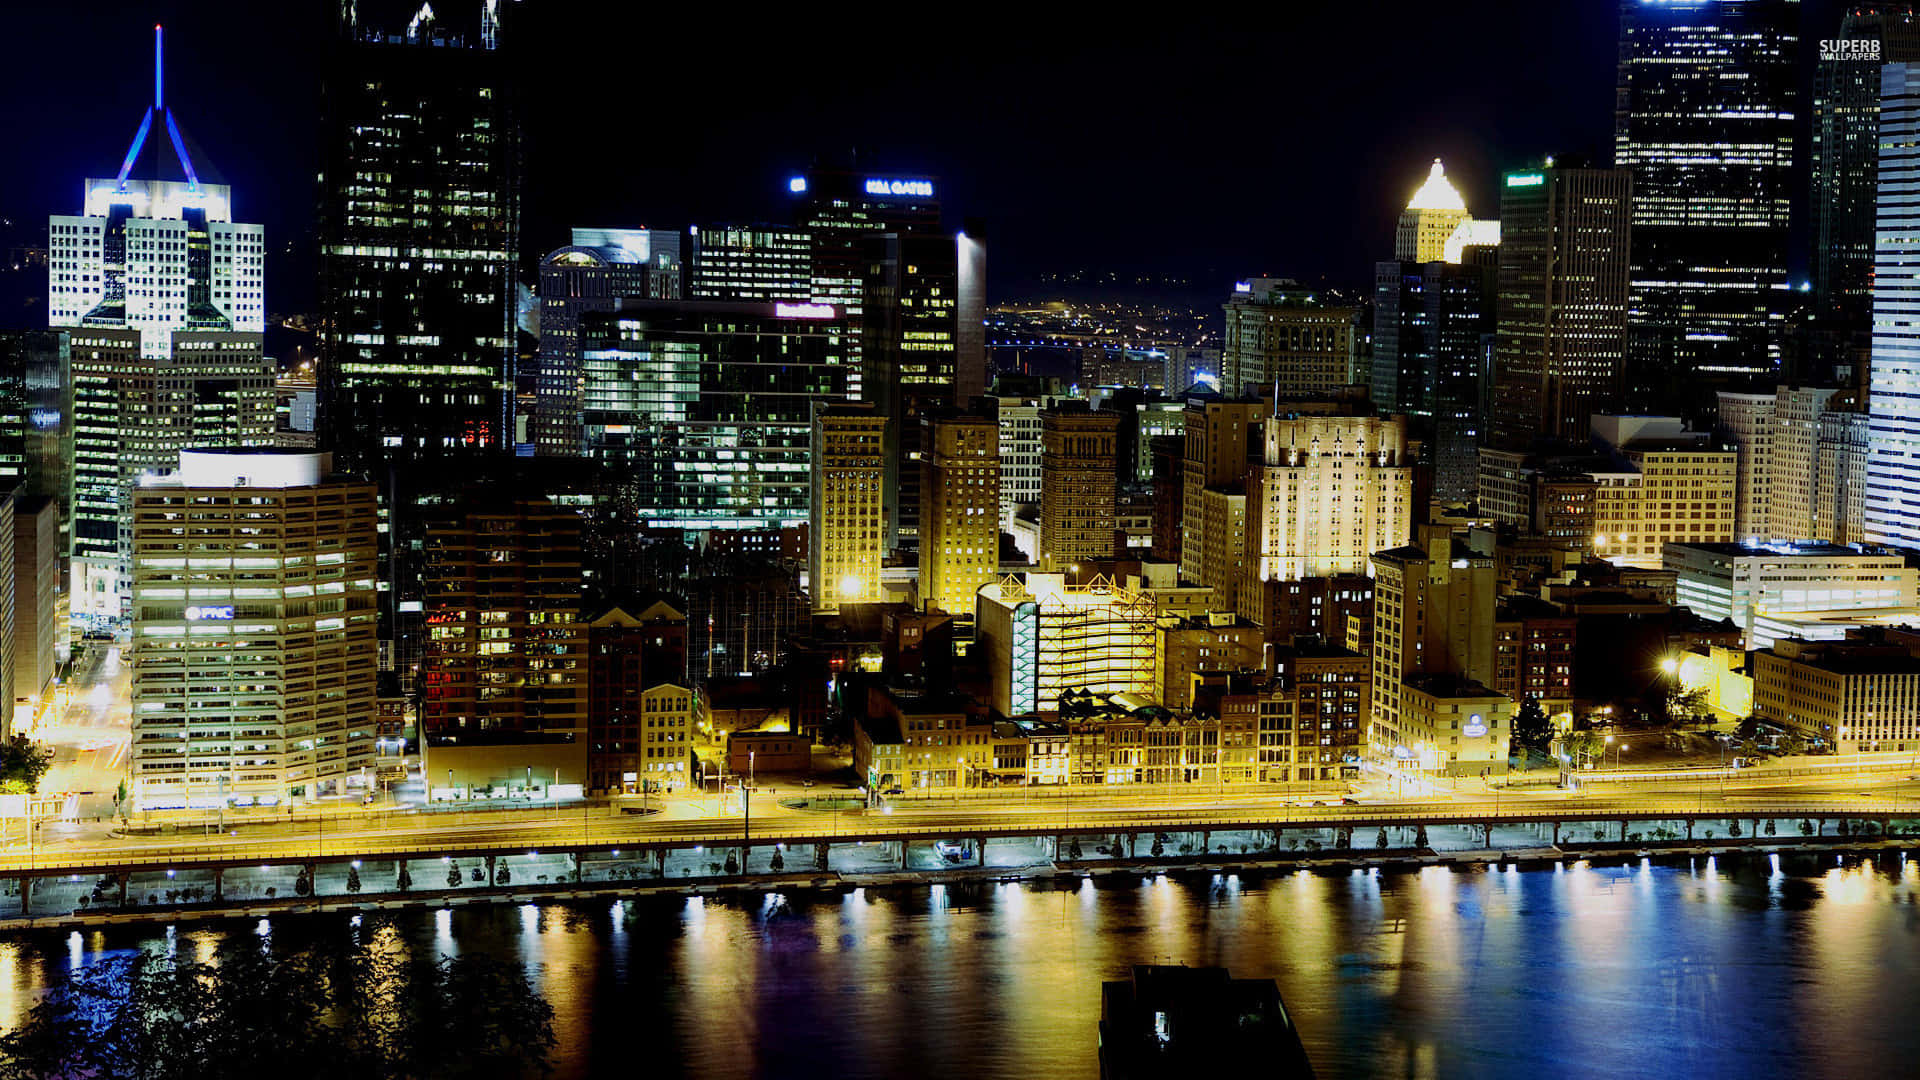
1740 967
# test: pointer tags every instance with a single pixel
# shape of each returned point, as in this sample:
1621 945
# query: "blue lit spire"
158 108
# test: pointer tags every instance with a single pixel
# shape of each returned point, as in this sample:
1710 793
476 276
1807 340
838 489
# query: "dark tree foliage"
252 1012
1530 726
22 764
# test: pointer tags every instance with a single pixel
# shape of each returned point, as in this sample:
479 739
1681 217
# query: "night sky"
1277 142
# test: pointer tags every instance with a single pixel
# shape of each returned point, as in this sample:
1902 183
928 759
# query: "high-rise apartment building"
254 616
1332 491
1283 335
505 671
848 537
1706 105
960 510
703 409
1079 463
419 231
590 274
1892 508
1562 327
1846 166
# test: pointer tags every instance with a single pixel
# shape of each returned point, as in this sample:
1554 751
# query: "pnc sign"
209 611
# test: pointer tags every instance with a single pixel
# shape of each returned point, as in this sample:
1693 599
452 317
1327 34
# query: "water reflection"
1714 967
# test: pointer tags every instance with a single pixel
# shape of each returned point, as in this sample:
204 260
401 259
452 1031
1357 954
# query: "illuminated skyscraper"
960 518
1846 158
419 232
1333 490
848 533
1562 338
1281 334
1893 404
702 410
1704 116
162 293
590 274
1429 220
253 626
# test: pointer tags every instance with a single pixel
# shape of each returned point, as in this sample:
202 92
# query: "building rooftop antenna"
158 108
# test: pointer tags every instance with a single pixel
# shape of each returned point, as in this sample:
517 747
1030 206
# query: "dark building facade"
419 233
1429 322
1706 104
590 274
1562 338
1846 168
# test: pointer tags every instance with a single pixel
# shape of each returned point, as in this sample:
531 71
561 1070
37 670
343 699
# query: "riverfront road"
345 835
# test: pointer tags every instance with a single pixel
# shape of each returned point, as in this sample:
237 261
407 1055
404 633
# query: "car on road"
1317 802
806 783
894 790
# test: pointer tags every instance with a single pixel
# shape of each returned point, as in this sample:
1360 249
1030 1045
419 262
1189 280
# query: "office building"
704 408
1655 484
1778 439
960 510
1224 443
1561 342
590 274
1314 716
36 416
1332 491
756 263
419 231
970 375
849 525
1533 645
1845 173
1079 467
1019 421
1892 508
504 711
36 589
1860 694
1808 590
132 416
1459 727
1707 101
1843 443
631 660
1282 335
1043 636
1431 322
254 598
1433 616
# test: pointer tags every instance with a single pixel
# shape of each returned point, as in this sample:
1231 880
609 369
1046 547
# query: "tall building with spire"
419 232
163 298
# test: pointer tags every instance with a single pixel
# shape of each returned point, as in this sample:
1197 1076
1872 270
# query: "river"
1741 966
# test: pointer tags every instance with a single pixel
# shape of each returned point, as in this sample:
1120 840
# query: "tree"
326 1011
1531 728
1686 704
22 764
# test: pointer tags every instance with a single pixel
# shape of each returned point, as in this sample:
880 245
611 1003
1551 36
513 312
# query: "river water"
1733 967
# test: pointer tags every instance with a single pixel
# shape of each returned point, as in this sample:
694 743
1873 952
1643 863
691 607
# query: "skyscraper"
419 232
163 295
1892 513
960 519
1430 218
1562 336
1333 490
1846 158
848 534
702 410
599 267
1704 115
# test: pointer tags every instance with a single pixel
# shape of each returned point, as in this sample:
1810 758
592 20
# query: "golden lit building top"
1430 219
